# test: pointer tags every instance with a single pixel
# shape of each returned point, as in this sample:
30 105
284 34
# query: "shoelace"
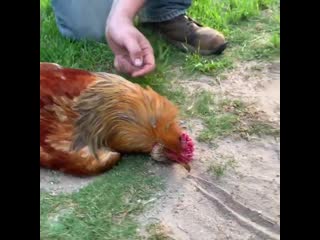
189 23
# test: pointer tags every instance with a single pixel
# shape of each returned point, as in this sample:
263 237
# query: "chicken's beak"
186 166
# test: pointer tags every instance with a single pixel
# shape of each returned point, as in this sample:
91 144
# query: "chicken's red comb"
187 149
186 154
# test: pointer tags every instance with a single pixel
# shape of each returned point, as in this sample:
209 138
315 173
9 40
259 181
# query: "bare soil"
244 203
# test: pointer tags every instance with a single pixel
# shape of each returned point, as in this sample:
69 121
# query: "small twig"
149 201
200 178
125 214
257 38
182 229
155 218
243 47
191 106
219 83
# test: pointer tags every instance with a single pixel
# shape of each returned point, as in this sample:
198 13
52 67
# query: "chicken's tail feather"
80 163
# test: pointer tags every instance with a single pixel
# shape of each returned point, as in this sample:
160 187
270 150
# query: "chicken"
89 119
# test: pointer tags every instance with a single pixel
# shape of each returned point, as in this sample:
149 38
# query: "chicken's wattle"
186 154
160 153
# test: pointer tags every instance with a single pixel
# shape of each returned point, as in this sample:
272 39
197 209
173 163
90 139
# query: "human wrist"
124 11
118 20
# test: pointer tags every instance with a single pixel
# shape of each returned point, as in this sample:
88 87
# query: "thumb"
135 52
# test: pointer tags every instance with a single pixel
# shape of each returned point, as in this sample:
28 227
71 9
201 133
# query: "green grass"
218 169
262 128
222 15
258 39
197 63
54 48
222 117
251 27
217 122
157 232
102 210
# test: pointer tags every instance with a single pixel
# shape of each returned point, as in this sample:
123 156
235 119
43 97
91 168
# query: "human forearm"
125 9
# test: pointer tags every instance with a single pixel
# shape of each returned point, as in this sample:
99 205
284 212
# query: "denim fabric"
78 19
163 10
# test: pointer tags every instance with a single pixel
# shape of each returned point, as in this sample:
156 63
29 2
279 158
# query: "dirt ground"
245 202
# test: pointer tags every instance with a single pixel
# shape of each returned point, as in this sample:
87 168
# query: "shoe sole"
188 48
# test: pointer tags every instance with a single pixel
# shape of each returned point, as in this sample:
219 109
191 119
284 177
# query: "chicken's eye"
180 139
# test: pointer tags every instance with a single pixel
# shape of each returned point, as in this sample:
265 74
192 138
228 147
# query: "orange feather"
88 119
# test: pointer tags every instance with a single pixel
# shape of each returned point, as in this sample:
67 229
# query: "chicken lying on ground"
87 120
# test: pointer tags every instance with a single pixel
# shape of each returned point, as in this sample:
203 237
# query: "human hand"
133 52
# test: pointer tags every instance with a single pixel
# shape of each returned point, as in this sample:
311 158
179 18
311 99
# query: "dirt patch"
255 83
244 203
258 83
57 182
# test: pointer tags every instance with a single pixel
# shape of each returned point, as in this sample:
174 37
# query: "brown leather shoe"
188 35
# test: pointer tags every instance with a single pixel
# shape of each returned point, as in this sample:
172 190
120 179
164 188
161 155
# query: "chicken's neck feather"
121 115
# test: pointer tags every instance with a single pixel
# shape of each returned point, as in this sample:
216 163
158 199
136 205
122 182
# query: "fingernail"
138 62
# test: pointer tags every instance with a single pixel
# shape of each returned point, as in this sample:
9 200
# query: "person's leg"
78 19
169 18
82 19
163 10
87 18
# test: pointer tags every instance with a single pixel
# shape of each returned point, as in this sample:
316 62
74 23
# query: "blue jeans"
86 19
